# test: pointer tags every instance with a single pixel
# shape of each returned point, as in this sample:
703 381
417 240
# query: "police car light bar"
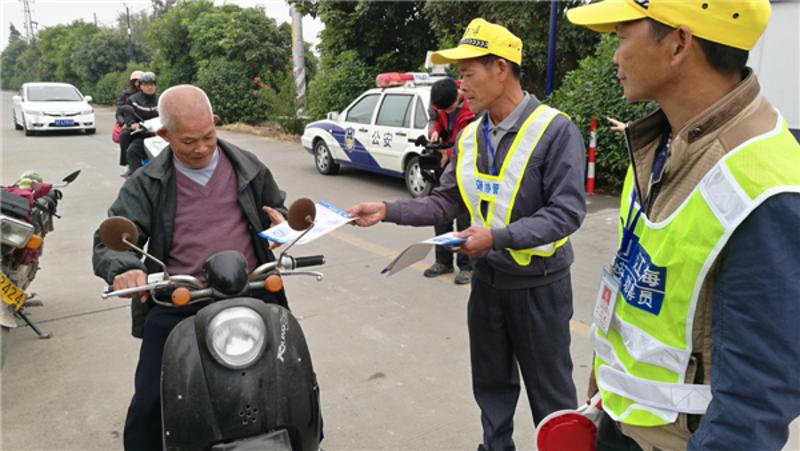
389 79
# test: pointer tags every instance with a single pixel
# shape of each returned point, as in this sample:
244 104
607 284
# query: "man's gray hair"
167 107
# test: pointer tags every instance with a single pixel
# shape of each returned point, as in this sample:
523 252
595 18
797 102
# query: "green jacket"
148 198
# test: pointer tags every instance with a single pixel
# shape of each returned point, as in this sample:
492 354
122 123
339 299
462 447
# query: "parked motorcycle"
238 374
430 160
28 209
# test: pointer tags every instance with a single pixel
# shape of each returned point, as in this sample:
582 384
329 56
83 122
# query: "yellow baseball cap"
482 38
735 23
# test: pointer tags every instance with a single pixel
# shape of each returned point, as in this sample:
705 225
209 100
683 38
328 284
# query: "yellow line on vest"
376 249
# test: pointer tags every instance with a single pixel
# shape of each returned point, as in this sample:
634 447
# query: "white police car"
376 132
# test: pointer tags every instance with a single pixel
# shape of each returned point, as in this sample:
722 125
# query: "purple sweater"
208 219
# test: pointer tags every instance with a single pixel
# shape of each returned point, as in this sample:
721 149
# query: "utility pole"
298 60
28 21
551 49
95 19
130 43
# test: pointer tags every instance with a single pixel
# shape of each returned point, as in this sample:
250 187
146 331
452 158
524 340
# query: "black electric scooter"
238 374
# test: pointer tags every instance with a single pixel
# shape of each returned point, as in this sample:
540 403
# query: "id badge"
606 300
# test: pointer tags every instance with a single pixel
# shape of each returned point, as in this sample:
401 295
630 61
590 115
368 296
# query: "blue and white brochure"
419 251
329 218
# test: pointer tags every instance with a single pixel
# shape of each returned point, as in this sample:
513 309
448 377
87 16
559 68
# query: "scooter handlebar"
312 260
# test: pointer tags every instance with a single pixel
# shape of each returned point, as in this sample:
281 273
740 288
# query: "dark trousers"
124 142
610 438
136 154
143 423
526 329
445 256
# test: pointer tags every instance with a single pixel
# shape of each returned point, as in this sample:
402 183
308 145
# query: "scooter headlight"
236 337
15 233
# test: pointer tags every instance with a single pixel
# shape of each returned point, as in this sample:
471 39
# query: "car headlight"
87 112
15 233
33 113
236 337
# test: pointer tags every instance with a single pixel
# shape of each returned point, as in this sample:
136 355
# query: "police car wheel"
324 160
416 184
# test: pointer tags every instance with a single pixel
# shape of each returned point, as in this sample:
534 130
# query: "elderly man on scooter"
203 196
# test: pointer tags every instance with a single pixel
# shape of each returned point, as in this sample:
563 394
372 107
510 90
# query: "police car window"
394 111
420 118
361 112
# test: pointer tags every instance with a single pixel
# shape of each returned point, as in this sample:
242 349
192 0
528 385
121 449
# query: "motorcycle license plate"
64 122
10 293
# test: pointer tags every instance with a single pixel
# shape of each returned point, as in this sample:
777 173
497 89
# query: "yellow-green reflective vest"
640 364
500 191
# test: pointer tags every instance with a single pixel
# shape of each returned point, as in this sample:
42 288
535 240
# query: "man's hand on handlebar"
368 213
131 279
135 126
434 137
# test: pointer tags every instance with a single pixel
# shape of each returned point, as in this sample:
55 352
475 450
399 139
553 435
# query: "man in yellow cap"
696 324
518 171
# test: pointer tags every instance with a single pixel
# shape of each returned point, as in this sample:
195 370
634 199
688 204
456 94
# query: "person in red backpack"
452 113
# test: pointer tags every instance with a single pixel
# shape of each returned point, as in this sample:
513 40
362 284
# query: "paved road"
390 353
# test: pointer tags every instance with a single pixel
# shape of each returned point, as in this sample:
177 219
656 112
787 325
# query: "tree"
105 51
592 90
9 65
340 79
233 96
169 37
13 33
530 22
387 36
244 35
57 45
162 6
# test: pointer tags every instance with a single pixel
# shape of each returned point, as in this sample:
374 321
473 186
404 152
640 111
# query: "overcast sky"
53 12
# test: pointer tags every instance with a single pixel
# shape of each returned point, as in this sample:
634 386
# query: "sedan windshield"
53 94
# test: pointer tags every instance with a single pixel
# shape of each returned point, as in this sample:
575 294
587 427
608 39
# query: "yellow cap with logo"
482 38
735 23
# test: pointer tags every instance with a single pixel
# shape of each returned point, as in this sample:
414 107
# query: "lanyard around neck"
489 147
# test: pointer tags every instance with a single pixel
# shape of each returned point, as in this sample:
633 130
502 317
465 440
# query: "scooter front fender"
205 402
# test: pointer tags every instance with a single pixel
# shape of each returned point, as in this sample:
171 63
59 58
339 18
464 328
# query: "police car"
376 132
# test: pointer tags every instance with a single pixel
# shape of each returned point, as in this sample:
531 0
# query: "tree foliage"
169 36
527 20
233 96
593 90
245 35
340 79
9 66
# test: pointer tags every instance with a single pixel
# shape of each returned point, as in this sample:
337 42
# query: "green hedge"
593 90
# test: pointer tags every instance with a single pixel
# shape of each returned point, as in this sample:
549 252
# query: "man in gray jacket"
198 197
518 171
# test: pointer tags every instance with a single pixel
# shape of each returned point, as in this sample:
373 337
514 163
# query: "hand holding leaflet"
419 251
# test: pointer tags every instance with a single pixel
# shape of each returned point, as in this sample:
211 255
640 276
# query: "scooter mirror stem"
280 257
135 247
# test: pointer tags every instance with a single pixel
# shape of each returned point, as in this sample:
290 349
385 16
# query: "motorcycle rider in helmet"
142 106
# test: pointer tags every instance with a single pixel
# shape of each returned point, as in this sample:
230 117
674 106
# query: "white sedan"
41 107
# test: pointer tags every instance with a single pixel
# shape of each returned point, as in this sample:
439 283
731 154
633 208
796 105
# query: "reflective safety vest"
640 365
500 191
